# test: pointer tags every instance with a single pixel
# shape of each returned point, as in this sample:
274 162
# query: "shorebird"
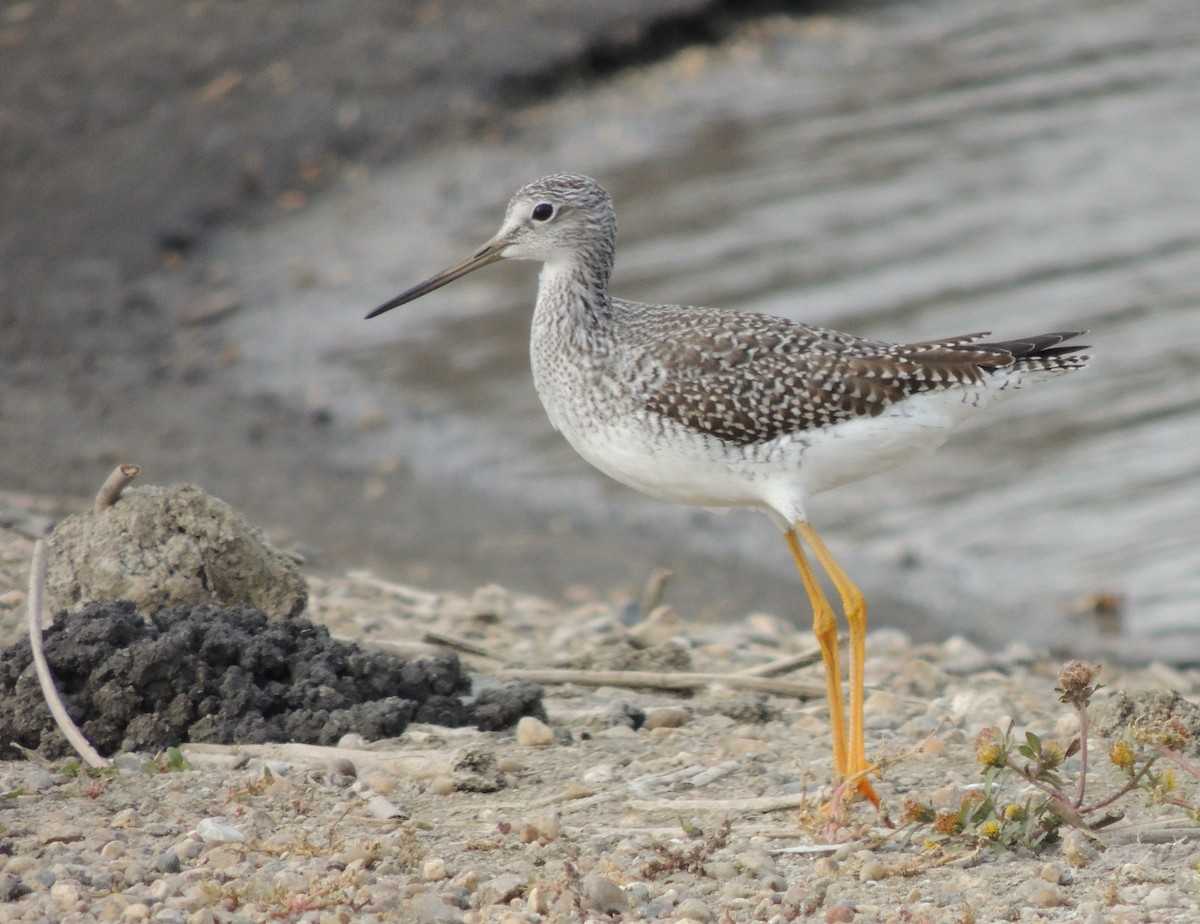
721 408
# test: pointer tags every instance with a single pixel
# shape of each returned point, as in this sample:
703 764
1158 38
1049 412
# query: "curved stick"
37 582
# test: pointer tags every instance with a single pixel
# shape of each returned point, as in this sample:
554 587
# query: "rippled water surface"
907 172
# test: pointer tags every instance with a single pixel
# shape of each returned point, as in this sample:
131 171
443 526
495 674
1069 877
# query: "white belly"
670 462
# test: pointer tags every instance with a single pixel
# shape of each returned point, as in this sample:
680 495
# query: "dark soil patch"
232 675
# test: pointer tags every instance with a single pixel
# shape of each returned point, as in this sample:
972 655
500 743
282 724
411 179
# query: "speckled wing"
763 377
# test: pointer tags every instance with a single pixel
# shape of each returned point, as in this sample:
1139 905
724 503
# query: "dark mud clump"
230 675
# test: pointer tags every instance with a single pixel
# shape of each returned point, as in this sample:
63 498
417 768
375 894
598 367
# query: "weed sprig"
996 815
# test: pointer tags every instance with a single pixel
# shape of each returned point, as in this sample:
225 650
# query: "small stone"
135 912
542 826
379 807
533 732
1159 897
625 715
825 867
382 783
343 766
434 869
66 894
666 717
475 770
1046 896
1052 873
112 850
189 848
168 862
839 913
720 870
536 901
500 889
693 909
883 702
600 773
509 764
126 818
218 831
872 871
604 896
441 786
12 887
427 908
59 834
40 780
1078 849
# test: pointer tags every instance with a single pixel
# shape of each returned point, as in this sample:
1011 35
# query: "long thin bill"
487 254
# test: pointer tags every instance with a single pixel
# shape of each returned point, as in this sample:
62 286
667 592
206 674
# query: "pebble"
1078 849
599 773
500 889
441 786
839 913
379 807
167 862
534 733
434 869
382 783
41 780
544 826
1052 873
666 717
428 908
602 895
872 871
1046 896
1159 897
218 831
12 887
693 909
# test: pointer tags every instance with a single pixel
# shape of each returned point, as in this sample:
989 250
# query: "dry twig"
37 584
665 681
114 484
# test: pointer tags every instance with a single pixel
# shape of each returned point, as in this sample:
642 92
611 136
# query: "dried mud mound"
164 547
203 673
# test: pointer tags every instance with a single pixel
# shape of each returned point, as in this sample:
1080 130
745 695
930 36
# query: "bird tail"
1044 352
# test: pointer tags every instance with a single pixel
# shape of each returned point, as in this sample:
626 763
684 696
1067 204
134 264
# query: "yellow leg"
825 628
855 607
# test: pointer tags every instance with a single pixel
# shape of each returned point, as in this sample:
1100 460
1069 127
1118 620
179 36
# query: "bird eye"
543 211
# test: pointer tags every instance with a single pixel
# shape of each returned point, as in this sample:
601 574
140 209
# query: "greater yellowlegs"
733 409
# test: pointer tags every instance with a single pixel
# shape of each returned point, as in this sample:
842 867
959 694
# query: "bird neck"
574 291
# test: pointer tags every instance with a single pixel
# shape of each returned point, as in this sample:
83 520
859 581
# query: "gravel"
606 818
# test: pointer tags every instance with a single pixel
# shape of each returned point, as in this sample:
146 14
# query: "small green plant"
169 761
1024 799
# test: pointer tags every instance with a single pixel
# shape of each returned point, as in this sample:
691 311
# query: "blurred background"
200 201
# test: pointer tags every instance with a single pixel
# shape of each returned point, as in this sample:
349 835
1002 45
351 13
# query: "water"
908 172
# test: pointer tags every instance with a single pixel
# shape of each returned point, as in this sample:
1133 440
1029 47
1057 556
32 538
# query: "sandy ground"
631 802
